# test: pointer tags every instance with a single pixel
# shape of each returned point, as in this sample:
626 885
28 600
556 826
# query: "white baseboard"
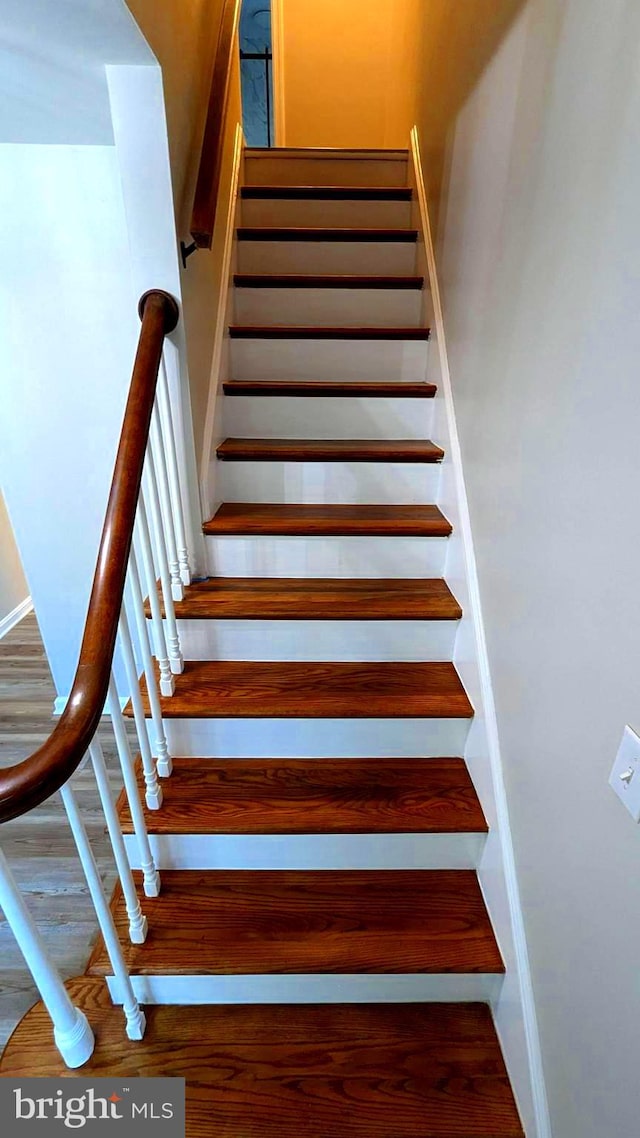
15 616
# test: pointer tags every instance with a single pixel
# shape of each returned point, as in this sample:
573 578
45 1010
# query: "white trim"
311 851
517 1027
269 988
15 616
222 321
277 71
60 702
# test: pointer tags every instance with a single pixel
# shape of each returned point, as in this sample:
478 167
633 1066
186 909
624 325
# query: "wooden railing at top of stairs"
32 781
210 168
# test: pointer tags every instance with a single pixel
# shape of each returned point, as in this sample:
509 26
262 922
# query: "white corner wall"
539 264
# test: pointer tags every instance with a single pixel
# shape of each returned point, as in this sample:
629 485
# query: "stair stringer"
513 1004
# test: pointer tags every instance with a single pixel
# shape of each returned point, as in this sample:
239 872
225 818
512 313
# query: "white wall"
540 263
13 586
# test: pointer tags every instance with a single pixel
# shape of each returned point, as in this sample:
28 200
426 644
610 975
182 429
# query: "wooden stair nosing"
249 689
288 922
316 598
327 193
317 233
329 450
325 281
324 332
304 796
348 389
273 519
280 1071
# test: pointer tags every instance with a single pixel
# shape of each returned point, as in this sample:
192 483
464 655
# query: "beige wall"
183 38
13 586
349 71
540 257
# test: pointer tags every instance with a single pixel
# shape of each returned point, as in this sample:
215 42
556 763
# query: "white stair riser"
392 640
322 170
314 989
340 483
377 258
315 738
339 214
311 851
298 359
335 307
307 417
268 556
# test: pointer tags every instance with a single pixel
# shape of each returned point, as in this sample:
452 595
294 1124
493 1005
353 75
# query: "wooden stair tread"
324 332
329 450
317 598
322 1071
324 233
330 388
305 796
246 518
215 689
329 193
324 280
245 922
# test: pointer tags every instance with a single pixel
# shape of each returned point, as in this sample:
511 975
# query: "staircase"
319 836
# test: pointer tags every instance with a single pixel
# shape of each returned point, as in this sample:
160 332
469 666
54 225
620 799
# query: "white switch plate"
625 776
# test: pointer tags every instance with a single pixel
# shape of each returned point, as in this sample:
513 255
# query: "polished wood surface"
317 598
244 922
210 168
300 1071
323 280
307 796
322 332
302 690
245 518
329 450
352 389
39 845
310 233
32 781
330 193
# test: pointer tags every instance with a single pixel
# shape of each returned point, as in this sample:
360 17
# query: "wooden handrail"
209 172
32 781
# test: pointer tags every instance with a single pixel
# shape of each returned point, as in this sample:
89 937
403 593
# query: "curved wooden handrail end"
29 783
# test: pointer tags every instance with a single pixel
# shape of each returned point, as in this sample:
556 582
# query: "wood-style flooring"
39 846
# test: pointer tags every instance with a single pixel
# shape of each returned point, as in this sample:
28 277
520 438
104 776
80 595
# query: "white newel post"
150 875
149 496
153 790
134 1016
169 441
71 1031
167 682
135 604
137 919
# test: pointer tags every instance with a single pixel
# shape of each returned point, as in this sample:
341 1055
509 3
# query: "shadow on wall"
455 44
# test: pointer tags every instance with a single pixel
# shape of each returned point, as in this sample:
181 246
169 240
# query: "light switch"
625 776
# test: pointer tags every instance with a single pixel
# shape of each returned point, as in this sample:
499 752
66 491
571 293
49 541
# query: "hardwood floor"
39 846
269 1071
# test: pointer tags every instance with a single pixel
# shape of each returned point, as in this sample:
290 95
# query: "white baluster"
167 682
71 1031
169 440
134 1016
156 455
137 919
150 875
135 604
153 790
150 497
